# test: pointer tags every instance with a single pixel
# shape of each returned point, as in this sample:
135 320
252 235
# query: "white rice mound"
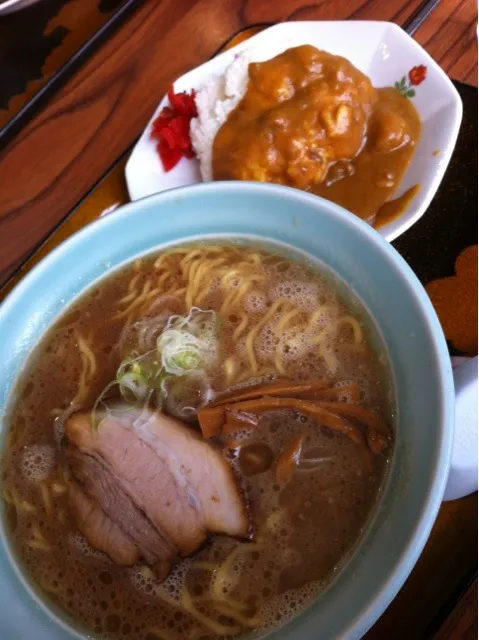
214 101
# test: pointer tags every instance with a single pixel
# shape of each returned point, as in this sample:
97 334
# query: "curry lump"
311 120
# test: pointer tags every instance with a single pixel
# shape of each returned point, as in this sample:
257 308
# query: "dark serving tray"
432 245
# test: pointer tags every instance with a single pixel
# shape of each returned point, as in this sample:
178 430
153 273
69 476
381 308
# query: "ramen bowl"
373 271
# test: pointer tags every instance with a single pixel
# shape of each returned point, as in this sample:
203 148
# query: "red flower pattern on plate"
414 78
417 75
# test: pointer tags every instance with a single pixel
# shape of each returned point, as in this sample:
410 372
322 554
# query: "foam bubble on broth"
266 340
38 461
303 294
282 608
81 543
244 435
255 302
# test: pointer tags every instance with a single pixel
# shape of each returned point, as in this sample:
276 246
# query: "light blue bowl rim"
303 624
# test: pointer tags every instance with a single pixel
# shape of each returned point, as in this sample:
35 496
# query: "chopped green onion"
184 349
100 400
187 360
133 386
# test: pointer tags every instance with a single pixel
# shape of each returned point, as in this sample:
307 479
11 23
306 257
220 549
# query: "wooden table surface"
79 139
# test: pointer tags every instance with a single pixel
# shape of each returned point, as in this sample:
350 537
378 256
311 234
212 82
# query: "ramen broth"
304 327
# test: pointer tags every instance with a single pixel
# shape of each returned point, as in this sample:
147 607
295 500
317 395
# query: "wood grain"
449 35
35 44
70 145
105 198
461 624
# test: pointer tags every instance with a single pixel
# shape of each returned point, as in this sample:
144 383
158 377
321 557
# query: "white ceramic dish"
384 52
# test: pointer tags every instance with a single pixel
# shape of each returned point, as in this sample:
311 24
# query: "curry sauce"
311 120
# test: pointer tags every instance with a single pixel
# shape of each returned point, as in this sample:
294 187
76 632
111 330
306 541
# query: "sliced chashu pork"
181 484
97 481
133 470
102 532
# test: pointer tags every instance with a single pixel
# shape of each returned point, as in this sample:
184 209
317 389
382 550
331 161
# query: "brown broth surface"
304 530
311 120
